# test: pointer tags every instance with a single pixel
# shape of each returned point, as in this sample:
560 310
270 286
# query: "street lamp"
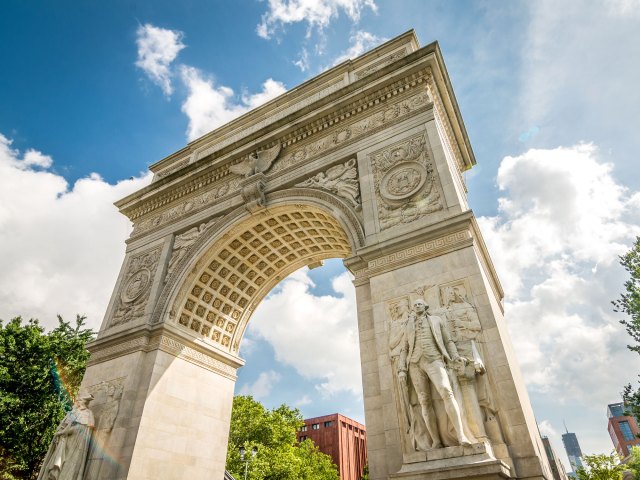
242 451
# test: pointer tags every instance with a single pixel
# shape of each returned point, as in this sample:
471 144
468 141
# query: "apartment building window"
328 424
626 431
315 426
303 438
303 428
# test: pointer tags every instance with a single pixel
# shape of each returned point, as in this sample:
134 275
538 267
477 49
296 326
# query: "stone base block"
473 461
485 470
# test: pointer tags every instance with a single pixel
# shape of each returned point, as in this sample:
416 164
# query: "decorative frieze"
350 132
191 205
413 253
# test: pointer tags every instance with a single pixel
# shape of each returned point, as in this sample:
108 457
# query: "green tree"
633 462
273 433
629 303
40 374
601 467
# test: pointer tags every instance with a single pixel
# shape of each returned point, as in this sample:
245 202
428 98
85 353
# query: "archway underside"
240 268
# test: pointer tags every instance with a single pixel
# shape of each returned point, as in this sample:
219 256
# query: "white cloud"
157 49
359 43
303 62
561 215
263 385
316 335
62 245
316 13
209 106
546 429
36 159
305 400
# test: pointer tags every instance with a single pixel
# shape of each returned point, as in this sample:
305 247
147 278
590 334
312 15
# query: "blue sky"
91 95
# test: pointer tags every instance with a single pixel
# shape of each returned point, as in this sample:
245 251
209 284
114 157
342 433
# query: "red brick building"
343 439
622 429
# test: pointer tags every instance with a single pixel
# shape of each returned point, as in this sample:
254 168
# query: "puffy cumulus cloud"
316 13
562 222
359 43
157 49
208 106
62 245
316 335
263 385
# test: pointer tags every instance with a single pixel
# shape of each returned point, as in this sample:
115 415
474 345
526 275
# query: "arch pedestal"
362 163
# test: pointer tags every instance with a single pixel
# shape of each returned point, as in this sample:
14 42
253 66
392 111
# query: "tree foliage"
273 433
629 303
632 462
40 374
601 467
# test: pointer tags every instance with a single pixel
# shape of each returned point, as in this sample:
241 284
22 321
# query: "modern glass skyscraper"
572 447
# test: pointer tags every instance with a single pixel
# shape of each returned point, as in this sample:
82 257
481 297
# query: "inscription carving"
405 182
136 286
339 179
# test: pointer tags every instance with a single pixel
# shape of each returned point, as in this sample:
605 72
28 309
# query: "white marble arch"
364 162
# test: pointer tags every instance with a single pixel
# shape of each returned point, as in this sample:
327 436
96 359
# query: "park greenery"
273 433
40 373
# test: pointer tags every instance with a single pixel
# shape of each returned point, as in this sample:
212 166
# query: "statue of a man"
427 347
67 455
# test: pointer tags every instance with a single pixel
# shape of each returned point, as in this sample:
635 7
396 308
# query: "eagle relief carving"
257 162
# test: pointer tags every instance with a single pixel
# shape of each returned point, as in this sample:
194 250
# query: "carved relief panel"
341 180
406 183
442 392
136 286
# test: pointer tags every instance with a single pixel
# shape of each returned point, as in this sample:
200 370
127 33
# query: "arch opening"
240 267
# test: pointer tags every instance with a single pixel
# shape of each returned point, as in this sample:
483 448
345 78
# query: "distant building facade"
572 447
557 469
623 429
342 438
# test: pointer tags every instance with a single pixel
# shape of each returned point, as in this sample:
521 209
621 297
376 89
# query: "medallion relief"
405 182
136 286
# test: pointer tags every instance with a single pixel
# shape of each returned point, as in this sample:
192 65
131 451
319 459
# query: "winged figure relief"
258 162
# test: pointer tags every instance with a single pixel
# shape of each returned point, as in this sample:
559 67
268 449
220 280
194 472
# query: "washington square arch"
364 162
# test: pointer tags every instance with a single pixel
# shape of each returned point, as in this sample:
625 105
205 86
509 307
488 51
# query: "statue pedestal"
475 461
